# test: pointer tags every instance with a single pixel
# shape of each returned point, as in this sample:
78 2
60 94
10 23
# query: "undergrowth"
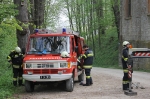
7 43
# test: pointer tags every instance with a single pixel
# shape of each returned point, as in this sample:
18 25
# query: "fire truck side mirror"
76 49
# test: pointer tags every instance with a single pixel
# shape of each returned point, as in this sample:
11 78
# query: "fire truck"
52 57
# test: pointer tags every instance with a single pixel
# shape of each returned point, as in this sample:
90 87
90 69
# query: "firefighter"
15 58
87 64
127 63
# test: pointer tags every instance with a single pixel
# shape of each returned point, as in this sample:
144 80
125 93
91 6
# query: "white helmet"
64 54
125 43
17 49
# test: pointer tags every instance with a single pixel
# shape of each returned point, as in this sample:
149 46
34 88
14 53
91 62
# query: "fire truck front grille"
42 65
40 71
45 71
36 71
50 65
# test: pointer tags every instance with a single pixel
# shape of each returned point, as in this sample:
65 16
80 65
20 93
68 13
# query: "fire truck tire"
29 86
70 84
81 77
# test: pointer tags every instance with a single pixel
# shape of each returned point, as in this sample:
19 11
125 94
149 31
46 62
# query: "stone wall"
136 29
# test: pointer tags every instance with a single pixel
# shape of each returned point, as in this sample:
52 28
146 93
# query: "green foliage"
52 12
95 20
7 9
6 73
107 54
7 43
11 23
6 83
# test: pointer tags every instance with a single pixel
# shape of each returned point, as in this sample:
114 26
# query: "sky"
63 19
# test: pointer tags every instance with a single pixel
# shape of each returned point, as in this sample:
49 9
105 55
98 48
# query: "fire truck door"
78 43
79 51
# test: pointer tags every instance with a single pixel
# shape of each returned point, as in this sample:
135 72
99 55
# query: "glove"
129 66
10 62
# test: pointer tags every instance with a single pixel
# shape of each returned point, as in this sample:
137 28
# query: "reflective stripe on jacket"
125 70
125 54
88 59
15 58
87 66
16 66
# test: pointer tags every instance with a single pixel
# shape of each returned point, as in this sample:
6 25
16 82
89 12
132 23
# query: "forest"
96 20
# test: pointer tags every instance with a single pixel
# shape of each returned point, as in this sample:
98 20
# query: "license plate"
45 77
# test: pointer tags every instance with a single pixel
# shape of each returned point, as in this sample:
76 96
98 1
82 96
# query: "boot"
87 82
20 83
91 81
15 83
81 83
128 86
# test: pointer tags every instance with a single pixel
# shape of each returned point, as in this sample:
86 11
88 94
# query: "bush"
7 43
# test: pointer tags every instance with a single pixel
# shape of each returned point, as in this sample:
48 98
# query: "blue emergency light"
64 31
36 31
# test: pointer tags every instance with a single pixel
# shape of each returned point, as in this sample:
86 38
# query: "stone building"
135 26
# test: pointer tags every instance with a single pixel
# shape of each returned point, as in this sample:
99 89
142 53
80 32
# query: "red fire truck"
52 57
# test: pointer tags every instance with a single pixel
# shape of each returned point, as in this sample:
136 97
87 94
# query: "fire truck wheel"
70 84
81 77
29 86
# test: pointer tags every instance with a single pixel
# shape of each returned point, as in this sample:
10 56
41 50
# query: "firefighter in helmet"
127 63
15 58
87 64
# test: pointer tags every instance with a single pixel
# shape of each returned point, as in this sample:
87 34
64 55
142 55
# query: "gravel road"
107 85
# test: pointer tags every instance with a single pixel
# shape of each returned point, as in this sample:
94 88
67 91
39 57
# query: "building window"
128 8
148 7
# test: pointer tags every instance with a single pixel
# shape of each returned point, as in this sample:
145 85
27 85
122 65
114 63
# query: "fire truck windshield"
49 45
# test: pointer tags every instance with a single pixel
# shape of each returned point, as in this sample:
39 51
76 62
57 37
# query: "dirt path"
107 85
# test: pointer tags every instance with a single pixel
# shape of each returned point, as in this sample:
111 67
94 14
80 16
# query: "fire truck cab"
45 62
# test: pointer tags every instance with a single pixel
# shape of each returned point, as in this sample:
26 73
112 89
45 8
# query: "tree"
116 11
53 9
39 7
6 9
22 16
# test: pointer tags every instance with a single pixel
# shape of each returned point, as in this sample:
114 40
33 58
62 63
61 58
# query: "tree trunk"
91 28
116 11
99 13
22 36
70 10
31 16
83 18
78 16
39 7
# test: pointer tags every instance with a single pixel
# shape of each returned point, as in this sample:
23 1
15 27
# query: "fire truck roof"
58 31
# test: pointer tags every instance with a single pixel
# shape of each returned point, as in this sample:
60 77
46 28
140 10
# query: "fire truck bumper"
47 77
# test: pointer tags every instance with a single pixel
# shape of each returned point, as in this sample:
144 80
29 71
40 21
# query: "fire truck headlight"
63 65
28 65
